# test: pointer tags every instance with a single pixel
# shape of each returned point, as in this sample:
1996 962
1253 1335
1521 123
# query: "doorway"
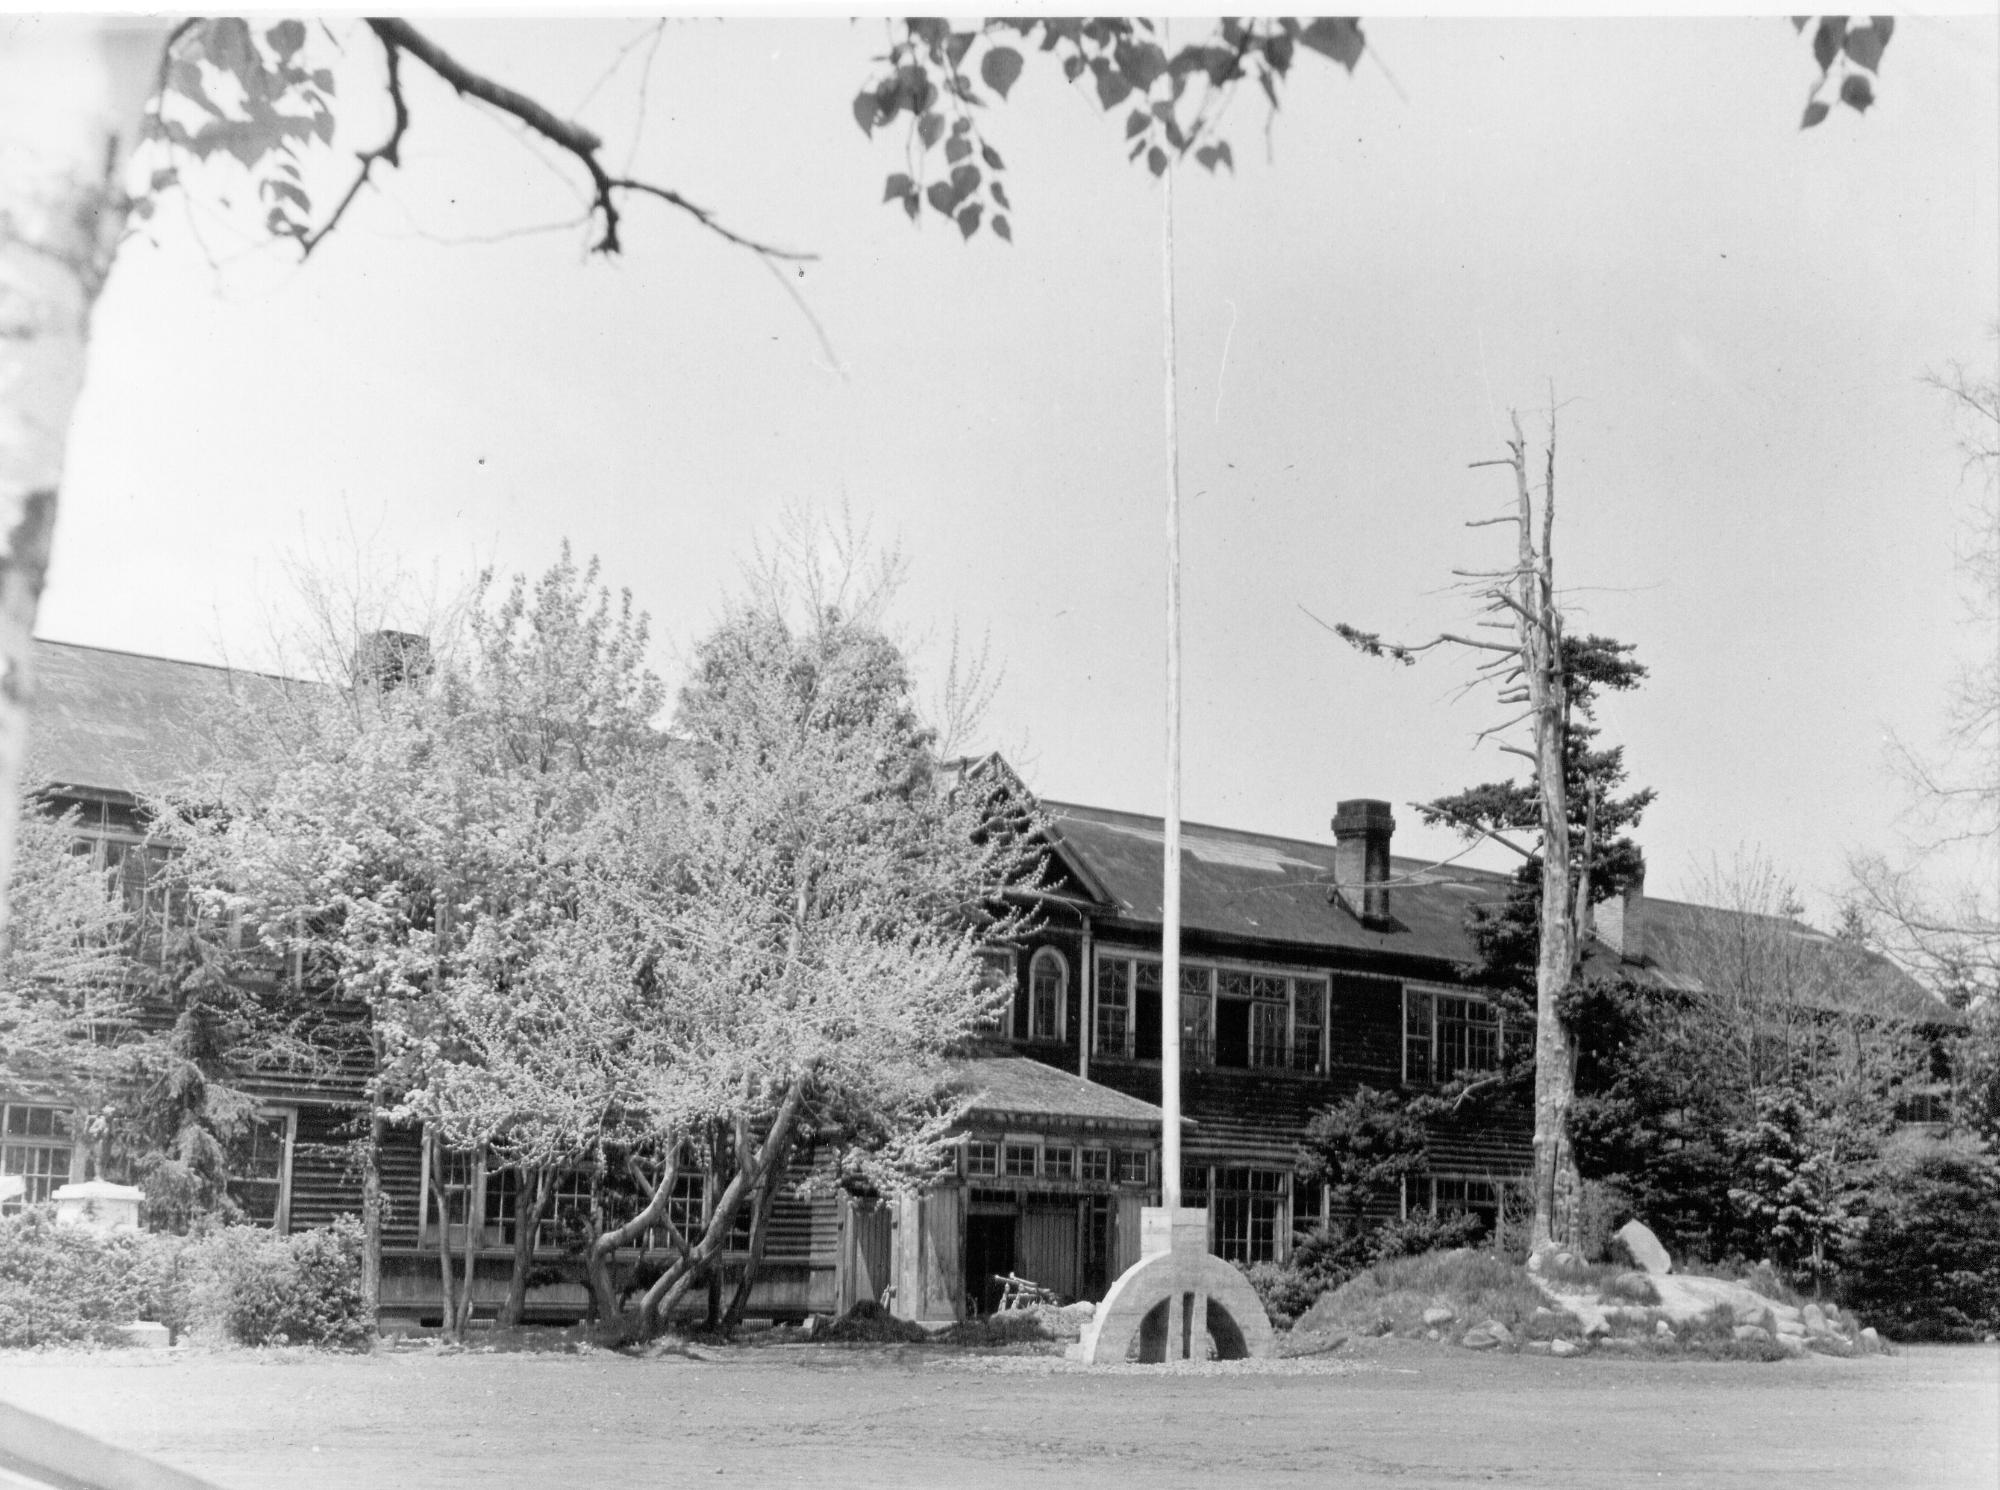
989 1249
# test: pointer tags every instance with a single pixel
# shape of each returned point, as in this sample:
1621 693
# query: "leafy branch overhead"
1856 44
224 90
938 78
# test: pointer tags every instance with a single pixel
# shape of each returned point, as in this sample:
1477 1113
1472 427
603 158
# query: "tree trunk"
72 95
371 1215
672 1285
531 1202
448 1312
1538 624
760 1224
597 1258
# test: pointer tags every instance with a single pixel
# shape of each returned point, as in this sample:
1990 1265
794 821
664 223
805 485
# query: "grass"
1609 1280
1391 1297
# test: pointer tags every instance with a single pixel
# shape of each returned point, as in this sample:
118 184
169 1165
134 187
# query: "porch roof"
1014 1087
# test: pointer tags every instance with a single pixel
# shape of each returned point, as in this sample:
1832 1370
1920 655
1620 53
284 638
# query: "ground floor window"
1474 1195
565 1217
262 1183
1246 1214
38 1143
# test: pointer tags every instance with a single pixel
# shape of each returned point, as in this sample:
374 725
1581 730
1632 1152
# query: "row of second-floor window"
1229 1015
1032 1158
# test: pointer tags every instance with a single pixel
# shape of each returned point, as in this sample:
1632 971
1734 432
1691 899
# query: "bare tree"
1527 669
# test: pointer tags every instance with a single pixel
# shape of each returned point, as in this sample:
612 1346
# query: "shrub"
1928 1265
252 1287
66 1285
1393 1295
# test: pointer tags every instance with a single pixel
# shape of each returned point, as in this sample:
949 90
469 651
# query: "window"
1059 1162
1194 1185
461 1182
687 1204
262 1182
1473 1195
1048 994
1017 1161
1245 1210
1135 1166
565 1217
982 1159
1114 1006
1446 1035
39 1145
1197 1005
1308 1023
997 972
1096 1166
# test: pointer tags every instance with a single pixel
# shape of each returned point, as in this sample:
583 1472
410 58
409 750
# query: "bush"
66 1285
252 1287
1392 1296
1928 1265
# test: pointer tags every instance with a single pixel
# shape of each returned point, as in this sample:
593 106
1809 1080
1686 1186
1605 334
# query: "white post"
1170 899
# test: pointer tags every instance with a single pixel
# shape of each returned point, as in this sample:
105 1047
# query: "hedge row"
66 1285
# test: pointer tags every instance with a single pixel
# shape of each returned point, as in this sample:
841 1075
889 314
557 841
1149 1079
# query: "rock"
1596 1327
1794 1329
1662 1330
1537 1347
1562 1348
1869 1341
1480 1339
1537 1259
146 1335
1565 1259
1814 1317
1751 1332
1497 1330
1645 1247
1545 1316
1432 1335
1437 1315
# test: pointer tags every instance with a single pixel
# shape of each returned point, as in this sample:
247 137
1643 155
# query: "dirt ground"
1377 1413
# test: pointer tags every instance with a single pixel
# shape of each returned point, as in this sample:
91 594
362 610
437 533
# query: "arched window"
1048 994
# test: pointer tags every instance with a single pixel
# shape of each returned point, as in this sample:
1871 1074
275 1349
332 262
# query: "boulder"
1664 1331
1479 1338
1751 1332
1438 1314
1562 1348
1869 1341
1814 1317
1645 1247
1432 1335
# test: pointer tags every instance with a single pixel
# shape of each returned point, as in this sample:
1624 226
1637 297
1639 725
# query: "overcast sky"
1754 486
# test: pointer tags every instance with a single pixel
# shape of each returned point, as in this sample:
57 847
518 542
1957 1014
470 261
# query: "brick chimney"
1361 831
389 658
1621 920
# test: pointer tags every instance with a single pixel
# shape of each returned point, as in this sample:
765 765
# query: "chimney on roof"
1361 831
386 659
1621 920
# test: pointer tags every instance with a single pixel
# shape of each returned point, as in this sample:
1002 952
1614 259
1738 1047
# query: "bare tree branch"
398 35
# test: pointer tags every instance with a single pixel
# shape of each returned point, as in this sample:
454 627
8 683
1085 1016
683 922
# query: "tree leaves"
1338 37
1176 102
999 69
1857 47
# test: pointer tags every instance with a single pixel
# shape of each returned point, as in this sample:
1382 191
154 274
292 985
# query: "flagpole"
1170 897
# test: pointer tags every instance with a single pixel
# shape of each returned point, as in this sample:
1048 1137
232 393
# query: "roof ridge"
214 667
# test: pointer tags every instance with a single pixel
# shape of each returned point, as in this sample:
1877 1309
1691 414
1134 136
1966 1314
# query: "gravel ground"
1377 1413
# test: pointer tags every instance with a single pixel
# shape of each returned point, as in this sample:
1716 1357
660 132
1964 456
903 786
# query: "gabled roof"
118 721
1259 887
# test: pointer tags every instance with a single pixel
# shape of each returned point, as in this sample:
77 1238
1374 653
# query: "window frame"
32 1143
1045 957
1425 1031
281 1210
1205 982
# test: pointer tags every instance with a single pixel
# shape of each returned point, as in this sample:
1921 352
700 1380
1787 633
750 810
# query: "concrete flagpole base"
1177 1293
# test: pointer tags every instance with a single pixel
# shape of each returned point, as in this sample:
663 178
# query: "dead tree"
1528 672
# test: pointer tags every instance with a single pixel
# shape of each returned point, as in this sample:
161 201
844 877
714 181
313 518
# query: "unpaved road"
1392 1414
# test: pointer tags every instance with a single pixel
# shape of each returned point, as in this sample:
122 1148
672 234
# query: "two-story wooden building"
1310 965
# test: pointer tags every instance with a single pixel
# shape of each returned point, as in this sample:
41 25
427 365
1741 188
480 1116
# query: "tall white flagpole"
1170 898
